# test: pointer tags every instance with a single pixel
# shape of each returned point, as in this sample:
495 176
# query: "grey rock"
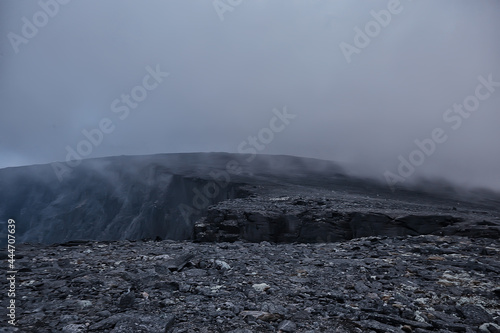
74 328
475 314
68 318
142 323
9 329
489 328
287 326
195 272
360 287
107 323
379 327
127 300
178 263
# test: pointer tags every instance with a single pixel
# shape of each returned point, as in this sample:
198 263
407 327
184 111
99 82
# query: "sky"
395 90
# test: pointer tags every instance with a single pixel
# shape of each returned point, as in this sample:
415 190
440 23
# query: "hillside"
163 196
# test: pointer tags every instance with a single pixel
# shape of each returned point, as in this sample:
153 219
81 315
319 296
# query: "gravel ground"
374 284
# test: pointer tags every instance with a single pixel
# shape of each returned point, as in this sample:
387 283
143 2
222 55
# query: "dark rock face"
102 200
289 219
371 284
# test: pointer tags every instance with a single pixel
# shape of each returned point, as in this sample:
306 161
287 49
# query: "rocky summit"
220 243
371 284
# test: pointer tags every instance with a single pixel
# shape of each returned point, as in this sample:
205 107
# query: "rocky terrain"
216 243
370 284
308 215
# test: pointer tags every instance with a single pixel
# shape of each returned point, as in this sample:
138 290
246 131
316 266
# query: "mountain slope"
162 196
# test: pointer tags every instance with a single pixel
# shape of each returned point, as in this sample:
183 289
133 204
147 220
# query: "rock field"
373 284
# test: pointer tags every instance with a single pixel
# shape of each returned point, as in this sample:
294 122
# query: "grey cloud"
227 76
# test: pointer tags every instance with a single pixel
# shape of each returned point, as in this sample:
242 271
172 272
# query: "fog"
357 82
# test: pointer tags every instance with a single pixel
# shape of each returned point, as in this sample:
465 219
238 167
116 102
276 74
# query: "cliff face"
323 216
104 201
98 210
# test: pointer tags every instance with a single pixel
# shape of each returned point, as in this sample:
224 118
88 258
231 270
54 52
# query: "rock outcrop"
289 219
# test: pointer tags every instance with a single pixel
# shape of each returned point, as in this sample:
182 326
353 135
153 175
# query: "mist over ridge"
364 81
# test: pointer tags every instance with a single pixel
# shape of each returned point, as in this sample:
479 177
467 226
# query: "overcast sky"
230 64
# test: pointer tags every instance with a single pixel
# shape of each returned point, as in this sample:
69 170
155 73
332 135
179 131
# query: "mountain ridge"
163 195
